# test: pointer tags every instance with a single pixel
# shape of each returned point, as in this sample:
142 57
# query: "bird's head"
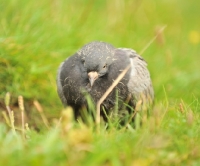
96 57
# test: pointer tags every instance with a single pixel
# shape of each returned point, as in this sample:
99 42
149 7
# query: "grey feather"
59 85
139 85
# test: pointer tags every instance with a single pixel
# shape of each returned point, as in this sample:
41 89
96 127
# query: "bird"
93 69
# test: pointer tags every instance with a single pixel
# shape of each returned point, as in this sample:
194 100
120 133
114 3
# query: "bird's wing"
59 85
139 85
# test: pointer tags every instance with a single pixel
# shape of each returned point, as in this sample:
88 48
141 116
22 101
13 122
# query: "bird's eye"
104 66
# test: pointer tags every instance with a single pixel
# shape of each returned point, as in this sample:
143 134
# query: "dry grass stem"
21 107
27 127
7 102
10 112
12 119
181 109
6 117
41 112
121 75
152 40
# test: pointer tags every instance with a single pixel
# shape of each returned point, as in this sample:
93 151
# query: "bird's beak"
93 75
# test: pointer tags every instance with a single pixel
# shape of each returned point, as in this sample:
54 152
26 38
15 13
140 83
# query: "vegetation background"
36 36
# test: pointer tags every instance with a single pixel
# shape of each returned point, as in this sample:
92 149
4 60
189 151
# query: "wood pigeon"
93 69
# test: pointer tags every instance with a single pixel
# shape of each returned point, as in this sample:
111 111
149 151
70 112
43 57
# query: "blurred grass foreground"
36 36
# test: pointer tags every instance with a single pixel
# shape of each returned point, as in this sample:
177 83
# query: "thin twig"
108 92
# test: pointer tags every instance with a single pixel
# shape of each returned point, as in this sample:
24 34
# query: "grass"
35 36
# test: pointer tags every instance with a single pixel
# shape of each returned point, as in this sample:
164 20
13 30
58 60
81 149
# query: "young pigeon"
93 69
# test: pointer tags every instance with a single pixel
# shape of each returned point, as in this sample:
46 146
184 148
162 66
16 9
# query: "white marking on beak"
93 75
